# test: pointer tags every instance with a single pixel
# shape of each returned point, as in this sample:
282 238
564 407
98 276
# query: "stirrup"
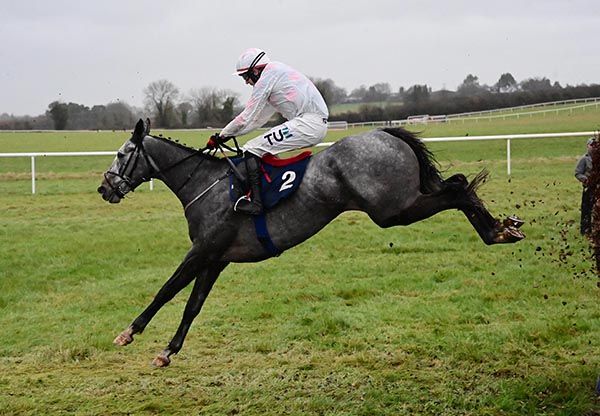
245 205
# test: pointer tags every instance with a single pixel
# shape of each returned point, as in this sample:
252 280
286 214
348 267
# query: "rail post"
508 157
33 174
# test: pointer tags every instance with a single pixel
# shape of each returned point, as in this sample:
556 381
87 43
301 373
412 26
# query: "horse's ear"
147 127
139 132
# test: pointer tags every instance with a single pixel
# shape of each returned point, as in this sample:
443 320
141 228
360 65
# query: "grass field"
358 320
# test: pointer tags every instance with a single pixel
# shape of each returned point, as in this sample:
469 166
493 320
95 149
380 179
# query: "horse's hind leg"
490 229
185 273
202 286
427 205
457 193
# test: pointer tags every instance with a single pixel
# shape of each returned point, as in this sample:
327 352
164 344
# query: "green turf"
358 320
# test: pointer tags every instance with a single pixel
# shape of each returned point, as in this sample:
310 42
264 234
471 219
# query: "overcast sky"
96 52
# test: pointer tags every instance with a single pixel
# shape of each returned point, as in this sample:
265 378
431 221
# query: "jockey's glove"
214 141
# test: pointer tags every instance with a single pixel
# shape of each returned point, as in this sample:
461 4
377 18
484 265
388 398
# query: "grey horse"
388 174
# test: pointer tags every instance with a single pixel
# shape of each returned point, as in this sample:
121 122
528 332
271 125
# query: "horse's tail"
429 175
477 181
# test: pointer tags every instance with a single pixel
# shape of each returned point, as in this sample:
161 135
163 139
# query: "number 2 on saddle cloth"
279 179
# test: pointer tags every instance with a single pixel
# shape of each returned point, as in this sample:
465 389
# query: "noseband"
127 185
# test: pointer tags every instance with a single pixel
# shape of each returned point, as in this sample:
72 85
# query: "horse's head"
130 168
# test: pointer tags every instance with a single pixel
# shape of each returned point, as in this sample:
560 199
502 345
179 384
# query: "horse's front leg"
202 286
185 273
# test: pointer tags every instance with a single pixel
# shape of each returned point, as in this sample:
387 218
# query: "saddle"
280 178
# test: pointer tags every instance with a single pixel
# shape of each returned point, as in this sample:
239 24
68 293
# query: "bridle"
124 173
126 185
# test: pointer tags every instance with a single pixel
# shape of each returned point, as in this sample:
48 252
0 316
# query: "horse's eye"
120 155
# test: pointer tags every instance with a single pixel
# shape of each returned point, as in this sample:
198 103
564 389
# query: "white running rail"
507 137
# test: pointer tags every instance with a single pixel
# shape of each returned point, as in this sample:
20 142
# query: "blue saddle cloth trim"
262 233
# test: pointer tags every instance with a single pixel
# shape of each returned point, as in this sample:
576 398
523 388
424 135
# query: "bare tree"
205 101
184 111
160 97
332 94
119 115
213 106
358 94
228 108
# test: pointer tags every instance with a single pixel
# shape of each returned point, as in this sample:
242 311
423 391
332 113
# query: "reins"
232 167
189 204
237 151
160 173
202 153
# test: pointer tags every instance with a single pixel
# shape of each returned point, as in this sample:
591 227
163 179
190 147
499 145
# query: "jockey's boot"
244 204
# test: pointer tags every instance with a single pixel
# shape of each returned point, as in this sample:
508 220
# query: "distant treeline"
72 116
203 107
450 102
212 107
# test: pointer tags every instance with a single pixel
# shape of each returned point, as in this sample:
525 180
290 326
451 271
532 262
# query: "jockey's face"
247 79
250 80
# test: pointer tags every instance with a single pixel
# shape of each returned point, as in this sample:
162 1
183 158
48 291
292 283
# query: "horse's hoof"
161 361
513 221
124 338
508 235
512 235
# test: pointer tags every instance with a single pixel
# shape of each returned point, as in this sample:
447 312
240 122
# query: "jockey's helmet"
250 59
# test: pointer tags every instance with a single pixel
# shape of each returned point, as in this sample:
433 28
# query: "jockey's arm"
257 112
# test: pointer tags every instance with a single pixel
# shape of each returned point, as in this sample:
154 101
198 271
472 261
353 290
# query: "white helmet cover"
251 58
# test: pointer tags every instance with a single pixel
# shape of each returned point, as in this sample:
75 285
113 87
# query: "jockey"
277 88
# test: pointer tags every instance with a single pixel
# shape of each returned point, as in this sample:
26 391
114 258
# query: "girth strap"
262 233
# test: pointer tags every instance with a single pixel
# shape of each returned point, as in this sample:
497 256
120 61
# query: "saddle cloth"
280 178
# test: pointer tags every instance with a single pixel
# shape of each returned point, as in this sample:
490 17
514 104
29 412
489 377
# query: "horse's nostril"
100 189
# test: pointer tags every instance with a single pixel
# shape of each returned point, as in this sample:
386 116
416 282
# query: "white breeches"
303 131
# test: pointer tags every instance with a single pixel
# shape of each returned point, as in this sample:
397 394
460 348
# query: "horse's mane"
176 143
429 173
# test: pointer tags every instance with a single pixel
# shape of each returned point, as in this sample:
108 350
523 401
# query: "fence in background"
337 125
507 137
524 107
503 113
